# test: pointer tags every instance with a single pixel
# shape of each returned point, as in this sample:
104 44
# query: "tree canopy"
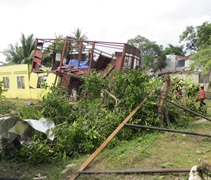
77 34
21 54
152 53
82 126
197 38
176 50
202 60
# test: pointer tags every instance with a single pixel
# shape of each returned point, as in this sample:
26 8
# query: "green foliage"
148 114
10 151
197 38
33 153
56 106
7 107
87 123
21 54
2 90
198 41
188 99
153 57
72 141
27 112
82 126
20 109
36 153
93 84
176 50
131 88
77 34
201 60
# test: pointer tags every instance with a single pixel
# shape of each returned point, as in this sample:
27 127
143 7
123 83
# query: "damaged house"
62 62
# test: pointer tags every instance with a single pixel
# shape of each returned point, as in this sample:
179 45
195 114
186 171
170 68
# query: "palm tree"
202 59
77 34
21 54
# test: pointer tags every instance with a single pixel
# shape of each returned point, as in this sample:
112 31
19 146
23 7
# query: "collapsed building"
62 61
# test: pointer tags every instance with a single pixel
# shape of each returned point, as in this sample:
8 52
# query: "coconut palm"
202 60
77 34
21 54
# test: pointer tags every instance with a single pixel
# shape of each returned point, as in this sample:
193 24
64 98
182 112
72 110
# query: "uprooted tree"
84 125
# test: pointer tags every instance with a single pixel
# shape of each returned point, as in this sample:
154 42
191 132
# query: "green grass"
155 150
208 104
25 171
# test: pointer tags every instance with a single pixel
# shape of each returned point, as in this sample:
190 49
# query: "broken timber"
145 171
169 130
189 110
94 155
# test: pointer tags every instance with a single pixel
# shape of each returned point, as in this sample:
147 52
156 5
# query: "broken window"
128 62
42 81
6 82
180 63
20 82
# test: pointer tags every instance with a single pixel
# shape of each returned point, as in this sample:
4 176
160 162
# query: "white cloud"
105 20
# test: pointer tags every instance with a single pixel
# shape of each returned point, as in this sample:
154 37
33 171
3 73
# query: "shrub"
82 126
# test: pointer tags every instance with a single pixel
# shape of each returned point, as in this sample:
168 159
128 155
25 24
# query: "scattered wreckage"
21 130
69 58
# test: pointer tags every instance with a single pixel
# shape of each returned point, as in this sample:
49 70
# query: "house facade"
179 66
20 82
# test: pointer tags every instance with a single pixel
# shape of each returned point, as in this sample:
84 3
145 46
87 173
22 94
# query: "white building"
179 66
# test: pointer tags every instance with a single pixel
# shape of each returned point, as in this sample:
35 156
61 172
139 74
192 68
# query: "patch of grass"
158 150
155 150
13 107
24 171
6 107
208 105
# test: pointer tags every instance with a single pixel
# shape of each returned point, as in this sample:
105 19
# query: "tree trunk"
162 97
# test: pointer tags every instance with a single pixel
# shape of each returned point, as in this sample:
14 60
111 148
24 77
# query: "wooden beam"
99 149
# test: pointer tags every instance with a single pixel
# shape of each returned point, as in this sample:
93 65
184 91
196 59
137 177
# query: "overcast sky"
161 21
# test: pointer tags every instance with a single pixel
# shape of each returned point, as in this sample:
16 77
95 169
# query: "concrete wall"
33 89
12 72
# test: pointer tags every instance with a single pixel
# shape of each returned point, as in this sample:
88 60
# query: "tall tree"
152 54
21 54
197 38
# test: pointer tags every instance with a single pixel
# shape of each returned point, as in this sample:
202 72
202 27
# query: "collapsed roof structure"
69 58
